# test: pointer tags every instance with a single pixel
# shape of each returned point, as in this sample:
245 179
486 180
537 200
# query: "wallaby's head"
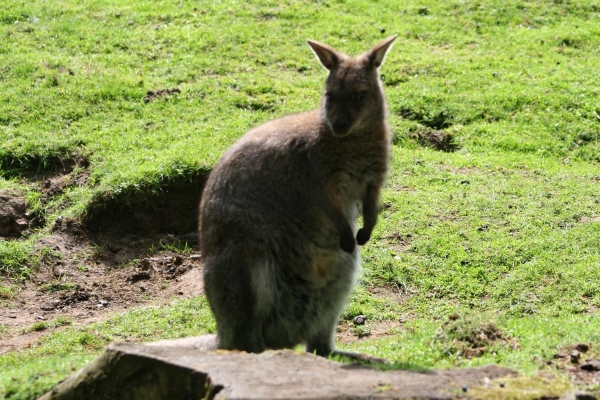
353 97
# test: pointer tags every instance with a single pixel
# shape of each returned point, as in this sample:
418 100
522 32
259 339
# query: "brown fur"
277 214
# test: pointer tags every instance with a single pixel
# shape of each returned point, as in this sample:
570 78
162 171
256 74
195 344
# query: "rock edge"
185 369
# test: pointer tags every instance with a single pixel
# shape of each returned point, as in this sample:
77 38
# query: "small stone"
359 320
465 182
195 257
103 302
143 288
40 317
423 11
465 388
177 260
501 384
574 356
171 270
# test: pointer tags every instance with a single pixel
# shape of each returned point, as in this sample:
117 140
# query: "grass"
33 371
504 229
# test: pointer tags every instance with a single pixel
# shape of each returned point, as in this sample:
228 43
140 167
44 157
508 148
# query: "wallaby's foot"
363 236
360 357
347 243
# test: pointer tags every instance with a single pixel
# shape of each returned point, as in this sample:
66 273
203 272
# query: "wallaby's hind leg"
232 302
245 336
323 342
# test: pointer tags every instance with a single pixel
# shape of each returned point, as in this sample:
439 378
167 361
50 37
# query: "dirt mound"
55 182
155 94
581 362
15 221
128 250
173 209
81 283
436 139
469 337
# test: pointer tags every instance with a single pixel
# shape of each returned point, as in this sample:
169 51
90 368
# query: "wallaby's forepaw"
363 236
347 243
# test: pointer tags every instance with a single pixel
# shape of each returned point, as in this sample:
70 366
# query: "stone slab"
183 369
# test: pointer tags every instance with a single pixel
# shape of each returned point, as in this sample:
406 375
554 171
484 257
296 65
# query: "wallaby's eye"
360 96
328 95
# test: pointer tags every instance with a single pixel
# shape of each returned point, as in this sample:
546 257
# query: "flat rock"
184 369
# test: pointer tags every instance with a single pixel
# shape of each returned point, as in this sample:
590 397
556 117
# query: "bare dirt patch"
437 139
581 363
15 221
155 94
362 327
349 332
584 220
126 251
470 338
59 179
398 242
80 281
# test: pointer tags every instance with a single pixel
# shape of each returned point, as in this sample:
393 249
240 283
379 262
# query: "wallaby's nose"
340 126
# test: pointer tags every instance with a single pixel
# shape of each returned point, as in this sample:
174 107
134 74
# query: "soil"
349 332
122 254
437 139
14 219
85 283
155 94
581 363
471 338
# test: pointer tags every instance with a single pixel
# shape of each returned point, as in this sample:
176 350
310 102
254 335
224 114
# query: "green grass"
506 228
29 373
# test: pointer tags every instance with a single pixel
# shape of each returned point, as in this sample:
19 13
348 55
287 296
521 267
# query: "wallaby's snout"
353 97
340 126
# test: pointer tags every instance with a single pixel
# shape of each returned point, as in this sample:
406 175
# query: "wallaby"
277 214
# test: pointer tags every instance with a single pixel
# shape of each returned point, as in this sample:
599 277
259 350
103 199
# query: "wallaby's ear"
377 54
328 56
